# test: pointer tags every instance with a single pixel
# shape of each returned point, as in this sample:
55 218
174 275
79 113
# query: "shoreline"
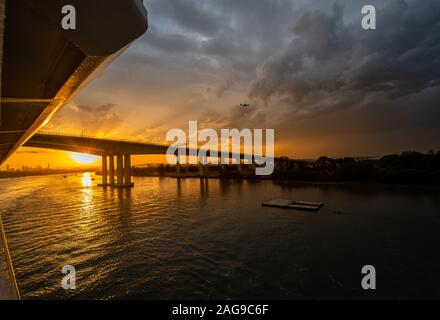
21 174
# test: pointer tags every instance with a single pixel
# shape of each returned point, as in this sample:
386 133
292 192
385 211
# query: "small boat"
291 204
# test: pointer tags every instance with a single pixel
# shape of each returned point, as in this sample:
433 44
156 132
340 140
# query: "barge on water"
292 204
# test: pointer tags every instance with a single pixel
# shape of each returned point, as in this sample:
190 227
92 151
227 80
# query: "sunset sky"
307 68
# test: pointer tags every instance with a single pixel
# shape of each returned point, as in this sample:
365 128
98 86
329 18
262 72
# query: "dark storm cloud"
174 43
237 34
195 16
331 64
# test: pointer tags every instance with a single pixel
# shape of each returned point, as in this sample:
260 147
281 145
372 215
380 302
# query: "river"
211 239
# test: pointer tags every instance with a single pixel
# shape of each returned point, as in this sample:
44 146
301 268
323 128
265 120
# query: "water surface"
212 239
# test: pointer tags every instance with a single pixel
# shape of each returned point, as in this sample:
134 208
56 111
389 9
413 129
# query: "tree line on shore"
405 168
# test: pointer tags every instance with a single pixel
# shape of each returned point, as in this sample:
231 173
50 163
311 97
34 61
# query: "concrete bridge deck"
91 145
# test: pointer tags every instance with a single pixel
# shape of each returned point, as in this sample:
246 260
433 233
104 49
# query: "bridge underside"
94 146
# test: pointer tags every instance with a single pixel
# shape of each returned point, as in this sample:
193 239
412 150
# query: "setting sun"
83 158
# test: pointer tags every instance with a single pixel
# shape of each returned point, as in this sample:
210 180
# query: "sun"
83 158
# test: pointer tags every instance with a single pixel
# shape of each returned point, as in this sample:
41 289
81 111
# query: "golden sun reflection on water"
86 180
87 210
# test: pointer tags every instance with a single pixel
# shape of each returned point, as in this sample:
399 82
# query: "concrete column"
104 170
111 172
120 169
127 169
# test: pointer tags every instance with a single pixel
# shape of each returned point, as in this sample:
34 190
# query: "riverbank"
408 168
46 172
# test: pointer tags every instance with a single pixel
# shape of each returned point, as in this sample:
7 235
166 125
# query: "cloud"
98 111
194 16
331 65
221 90
99 120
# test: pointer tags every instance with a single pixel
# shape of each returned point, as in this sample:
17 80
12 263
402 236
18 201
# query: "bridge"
115 154
108 149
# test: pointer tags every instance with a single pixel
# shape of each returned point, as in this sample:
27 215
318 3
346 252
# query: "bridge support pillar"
104 171
123 171
127 171
111 170
119 170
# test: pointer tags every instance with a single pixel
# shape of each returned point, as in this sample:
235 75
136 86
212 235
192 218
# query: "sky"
306 67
